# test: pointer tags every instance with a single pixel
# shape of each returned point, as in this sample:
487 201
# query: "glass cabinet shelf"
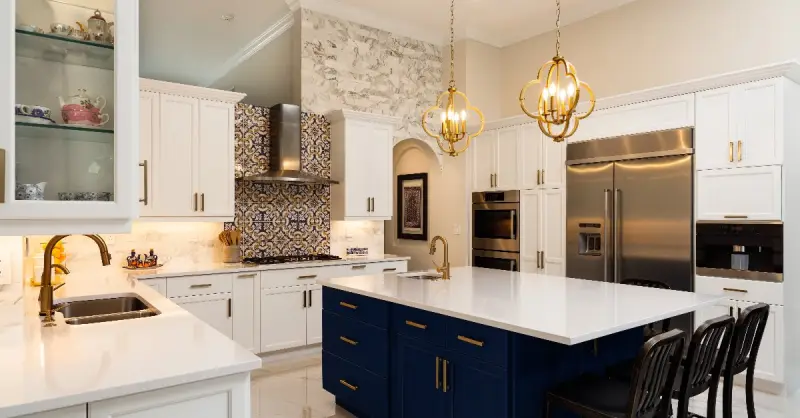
56 48
65 132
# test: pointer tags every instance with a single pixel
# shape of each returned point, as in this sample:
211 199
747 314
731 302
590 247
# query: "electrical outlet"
456 229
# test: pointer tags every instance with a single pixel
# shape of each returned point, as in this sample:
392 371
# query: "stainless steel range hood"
284 150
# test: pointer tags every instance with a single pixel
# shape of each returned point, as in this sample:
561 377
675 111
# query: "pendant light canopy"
453 107
560 92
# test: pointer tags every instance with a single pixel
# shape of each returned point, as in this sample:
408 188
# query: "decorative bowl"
30 191
86 196
30 28
61 29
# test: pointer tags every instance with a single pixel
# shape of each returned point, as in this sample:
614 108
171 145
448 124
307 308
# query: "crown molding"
257 44
294 5
347 114
157 86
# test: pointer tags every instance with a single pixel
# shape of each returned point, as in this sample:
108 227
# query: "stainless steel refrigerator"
630 209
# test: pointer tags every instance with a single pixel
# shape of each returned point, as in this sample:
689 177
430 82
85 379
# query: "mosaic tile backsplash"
282 219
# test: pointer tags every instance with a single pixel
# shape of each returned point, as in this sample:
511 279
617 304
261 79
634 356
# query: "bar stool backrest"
747 338
654 374
706 356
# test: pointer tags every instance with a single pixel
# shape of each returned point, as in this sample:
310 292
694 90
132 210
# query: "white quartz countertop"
559 309
49 368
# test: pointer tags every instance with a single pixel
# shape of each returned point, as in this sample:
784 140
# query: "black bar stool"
647 395
703 365
742 355
651 330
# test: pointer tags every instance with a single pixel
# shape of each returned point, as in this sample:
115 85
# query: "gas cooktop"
289 259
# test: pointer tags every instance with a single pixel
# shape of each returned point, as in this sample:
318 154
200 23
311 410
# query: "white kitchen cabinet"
159 285
283 317
543 160
741 125
213 309
484 156
314 315
361 161
61 158
225 397
752 193
543 226
187 143
721 308
508 159
244 312
77 411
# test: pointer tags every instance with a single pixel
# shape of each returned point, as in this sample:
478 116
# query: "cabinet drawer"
479 341
748 290
351 305
357 342
416 323
364 394
199 285
391 267
292 277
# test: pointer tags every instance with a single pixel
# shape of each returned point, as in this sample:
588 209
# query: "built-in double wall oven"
495 230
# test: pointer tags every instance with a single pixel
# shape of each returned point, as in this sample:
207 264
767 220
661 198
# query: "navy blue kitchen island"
469 347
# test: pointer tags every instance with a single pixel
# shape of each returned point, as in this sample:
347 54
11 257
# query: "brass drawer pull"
349 341
359 267
347 385
390 269
728 289
470 341
739 151
730 151
444 374
347 305
202 202
735 216
438 360
200 286
310 276
416 325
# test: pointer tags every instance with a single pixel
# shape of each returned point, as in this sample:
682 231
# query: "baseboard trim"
290 354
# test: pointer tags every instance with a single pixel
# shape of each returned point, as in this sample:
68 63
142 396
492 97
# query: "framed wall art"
412 206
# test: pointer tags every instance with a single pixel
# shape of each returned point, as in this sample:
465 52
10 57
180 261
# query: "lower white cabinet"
159 285
246 310
77 411
226 397
543 225
314 315
283 317
214 309
752 193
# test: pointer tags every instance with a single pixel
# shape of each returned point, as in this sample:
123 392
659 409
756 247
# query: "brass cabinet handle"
246 276
739 151
470 341
735 216
347 305
542 176
310 298
538 177
202 202
347 385
347 340
230 308
730 151
444 374
416 325
728 289
143 164
368 207
310 276
200 286
372 205
305 299
359 267
389 269
438 360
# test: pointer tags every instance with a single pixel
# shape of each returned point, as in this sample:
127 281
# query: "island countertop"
558 309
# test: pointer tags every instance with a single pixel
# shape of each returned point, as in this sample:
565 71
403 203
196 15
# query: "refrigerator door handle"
606 232
617 245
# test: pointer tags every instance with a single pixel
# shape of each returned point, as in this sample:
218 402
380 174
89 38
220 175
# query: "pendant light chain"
558 28
452 43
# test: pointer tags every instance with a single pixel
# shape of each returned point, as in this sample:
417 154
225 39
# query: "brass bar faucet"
445 267
46 292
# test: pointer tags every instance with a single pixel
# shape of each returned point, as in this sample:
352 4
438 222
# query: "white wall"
650 43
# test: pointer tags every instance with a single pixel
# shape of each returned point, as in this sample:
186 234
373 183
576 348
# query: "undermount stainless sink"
422 275
117 308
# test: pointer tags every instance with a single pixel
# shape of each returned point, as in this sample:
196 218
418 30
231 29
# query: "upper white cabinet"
649 116
361 161
748 193
186 159
484 160
72 171
508 159
543 160
741 125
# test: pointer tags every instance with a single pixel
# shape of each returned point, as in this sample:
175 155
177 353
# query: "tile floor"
293 389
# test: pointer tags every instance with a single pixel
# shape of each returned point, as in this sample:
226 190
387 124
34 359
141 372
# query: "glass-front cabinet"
69 132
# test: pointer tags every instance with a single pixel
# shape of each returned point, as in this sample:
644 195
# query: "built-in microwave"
751 251
495 221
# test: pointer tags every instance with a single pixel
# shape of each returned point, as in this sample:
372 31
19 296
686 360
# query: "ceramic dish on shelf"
30 28
61 29
86 196
34 119
36 111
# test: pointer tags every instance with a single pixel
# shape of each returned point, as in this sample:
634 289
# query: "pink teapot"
81 110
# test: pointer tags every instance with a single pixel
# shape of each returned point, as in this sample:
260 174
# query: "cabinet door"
173 156
245 298
554 158
357 169
148 134
530 224
721 308
159 285
314 315
715 130
214 161
78 411
214 310
380 171
283 318
770 364
553 224
530 152
752 193
419 382
484 159
479 390
507 170
759 112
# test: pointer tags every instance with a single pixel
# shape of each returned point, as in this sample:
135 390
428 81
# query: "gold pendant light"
454 122
560 93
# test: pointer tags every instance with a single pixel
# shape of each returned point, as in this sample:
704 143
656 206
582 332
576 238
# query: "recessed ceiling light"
227 17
